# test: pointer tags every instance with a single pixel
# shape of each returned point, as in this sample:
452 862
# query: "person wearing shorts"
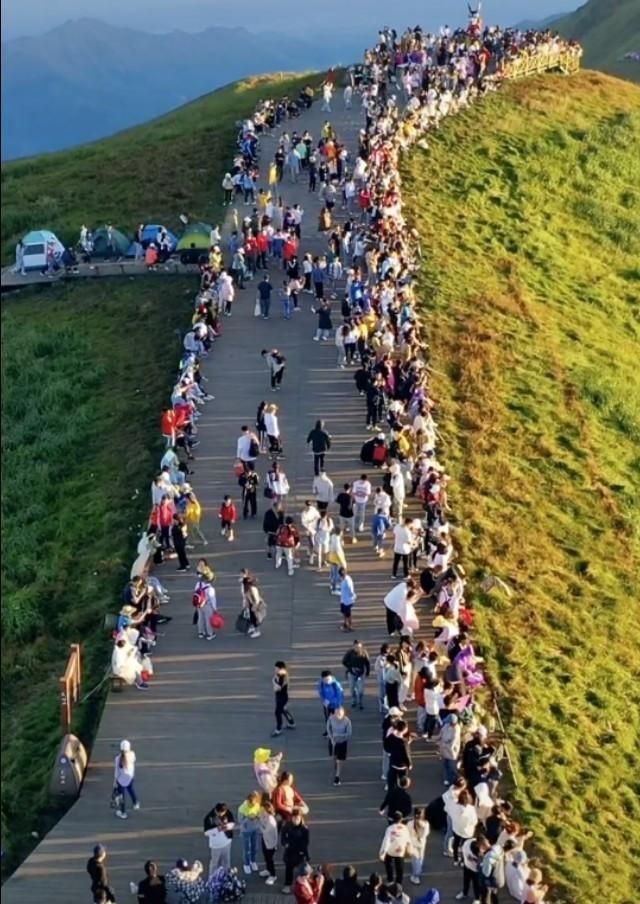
339 734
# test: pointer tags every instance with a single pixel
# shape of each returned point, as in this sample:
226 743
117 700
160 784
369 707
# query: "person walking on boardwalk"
358 668
179 541
396 845
97 869
347 595
336 559
309 520
247 448
320 444
193 516
272 521
228 516
205 602
123 776
249 483
322 538
287 541
280 683
339 731
323 491
276 364
331 694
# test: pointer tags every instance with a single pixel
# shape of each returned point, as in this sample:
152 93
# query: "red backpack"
199 597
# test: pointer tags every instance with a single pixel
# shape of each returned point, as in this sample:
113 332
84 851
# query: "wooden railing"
70 686
538 61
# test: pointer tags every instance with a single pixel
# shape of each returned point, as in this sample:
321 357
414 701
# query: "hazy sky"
24 17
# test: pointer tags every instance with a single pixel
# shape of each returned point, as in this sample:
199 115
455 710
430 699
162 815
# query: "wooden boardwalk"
11 281
211 704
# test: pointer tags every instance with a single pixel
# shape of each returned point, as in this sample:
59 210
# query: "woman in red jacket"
285 798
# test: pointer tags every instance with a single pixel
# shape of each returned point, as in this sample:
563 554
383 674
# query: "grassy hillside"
607 29
150 174
531 242
80 405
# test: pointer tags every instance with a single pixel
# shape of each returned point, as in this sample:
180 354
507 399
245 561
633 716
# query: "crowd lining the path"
428 691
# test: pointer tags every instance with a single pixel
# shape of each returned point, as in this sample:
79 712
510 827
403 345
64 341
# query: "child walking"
228 516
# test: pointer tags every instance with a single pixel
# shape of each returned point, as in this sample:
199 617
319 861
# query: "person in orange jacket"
228 516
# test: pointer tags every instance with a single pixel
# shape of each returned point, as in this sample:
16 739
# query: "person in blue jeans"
249 816
287 300
265 290
358 667
331 695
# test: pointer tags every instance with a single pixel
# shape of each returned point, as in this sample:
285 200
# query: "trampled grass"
85 371
148 174
529 212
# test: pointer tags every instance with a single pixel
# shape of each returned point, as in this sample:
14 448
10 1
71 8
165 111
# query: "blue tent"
150 234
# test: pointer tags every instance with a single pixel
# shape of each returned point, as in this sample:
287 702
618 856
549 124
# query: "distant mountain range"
608 30
87 79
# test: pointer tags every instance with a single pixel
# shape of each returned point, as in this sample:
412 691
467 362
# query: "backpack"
199 597
254 448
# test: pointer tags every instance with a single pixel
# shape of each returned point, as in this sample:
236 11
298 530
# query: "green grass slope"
529 211
149 174
85 372
607 29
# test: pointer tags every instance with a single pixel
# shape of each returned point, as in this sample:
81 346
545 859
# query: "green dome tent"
196 235
119 239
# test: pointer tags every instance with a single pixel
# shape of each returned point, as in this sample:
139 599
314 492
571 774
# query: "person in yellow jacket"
193 515
273 176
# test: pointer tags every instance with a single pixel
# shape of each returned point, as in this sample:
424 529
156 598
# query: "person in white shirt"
322 538
272 427
323 491
398 489
162 486
205 606
402 545
123 776
382 502
396 844
348 96
464 820
247 448
309 521
361 490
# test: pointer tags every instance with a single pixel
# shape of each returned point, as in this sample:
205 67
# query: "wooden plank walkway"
98 270
211 704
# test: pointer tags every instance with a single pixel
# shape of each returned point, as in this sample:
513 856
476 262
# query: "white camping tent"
35 248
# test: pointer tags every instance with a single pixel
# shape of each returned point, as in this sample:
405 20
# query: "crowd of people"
427 691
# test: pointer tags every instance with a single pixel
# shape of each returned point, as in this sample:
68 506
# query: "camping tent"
196 235
101 245
150 234
35 248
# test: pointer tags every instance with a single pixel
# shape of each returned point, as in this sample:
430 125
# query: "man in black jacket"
97 869
398 800
396 745
271 523
320 444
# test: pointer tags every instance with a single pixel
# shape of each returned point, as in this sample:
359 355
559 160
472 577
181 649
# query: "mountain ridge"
86 79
